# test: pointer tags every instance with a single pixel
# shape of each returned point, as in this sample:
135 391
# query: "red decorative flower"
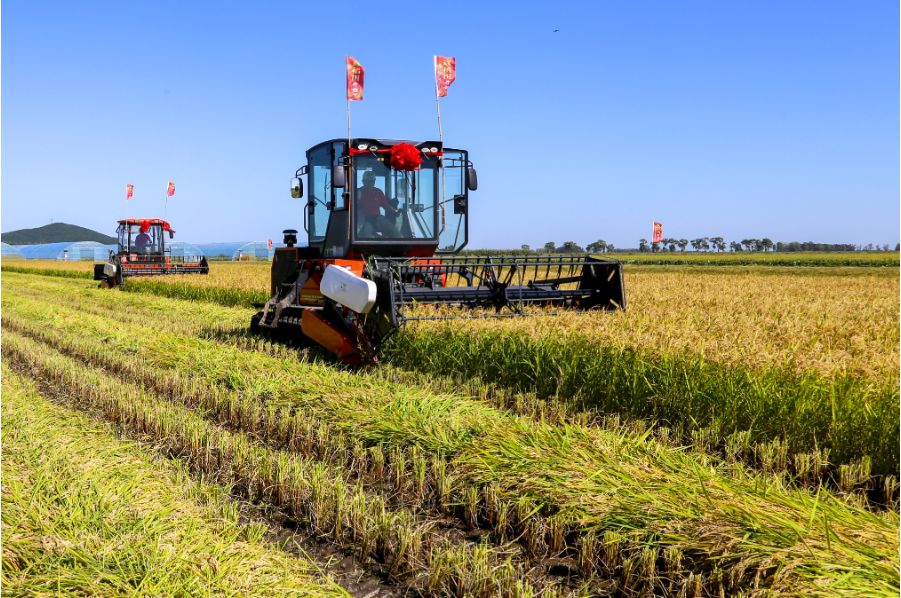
405 157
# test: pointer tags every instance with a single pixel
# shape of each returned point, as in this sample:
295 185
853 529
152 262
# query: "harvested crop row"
401 543
699 400
808 467
85 267
654 492
46 271
86 514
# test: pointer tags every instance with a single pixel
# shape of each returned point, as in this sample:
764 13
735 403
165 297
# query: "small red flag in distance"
270 243
129 192
658 233
170 191
445 73
355 74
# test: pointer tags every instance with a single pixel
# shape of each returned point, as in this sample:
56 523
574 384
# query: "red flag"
129 192
270 243
355 74
445 73
170 191
658 232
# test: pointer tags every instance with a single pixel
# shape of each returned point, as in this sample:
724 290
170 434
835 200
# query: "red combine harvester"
142 251
384 219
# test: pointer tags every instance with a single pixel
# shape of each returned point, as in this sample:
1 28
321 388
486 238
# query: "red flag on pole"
129 192
445 73
170 191
355 74
658 233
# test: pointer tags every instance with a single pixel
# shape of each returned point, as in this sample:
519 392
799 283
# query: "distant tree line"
669 245
718 244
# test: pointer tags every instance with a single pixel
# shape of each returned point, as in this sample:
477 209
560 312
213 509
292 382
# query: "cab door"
454 202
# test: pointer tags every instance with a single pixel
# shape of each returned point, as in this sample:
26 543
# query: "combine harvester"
384 219
142 251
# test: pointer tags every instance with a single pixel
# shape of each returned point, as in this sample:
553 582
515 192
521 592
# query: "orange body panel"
319 330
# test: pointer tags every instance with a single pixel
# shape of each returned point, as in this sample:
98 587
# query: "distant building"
10 252
239 250
70 252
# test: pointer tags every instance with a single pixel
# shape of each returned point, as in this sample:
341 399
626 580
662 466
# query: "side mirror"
338 176
296 188
171 235
472 179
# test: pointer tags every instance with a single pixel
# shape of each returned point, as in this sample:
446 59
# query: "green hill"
57 232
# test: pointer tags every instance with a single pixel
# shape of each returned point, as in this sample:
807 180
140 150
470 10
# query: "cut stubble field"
592 477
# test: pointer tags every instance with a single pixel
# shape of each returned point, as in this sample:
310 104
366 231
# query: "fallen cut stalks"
738 530
849 417
85 514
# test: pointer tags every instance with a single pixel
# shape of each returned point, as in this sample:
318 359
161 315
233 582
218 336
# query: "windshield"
132 240
394 204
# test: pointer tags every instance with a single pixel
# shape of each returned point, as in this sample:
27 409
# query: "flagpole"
441 139
347 171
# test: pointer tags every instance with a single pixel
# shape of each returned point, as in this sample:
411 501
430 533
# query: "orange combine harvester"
384 219
142 251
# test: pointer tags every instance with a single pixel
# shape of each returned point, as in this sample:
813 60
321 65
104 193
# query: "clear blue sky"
733 119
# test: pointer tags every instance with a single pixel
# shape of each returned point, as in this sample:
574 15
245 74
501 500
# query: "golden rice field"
831 324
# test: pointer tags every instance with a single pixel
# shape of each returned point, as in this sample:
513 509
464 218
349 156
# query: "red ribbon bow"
405 157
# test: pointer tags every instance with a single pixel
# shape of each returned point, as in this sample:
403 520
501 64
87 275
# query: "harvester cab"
360 205
384 221
141 251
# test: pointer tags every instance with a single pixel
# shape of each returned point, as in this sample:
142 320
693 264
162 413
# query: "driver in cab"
143 242
371 200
